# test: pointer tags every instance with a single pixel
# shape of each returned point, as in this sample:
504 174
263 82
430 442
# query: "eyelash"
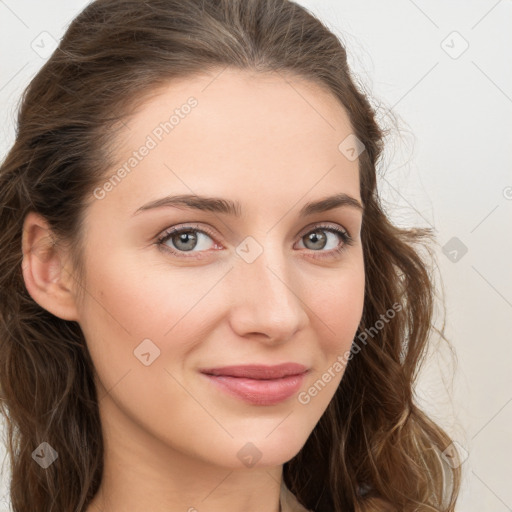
166 235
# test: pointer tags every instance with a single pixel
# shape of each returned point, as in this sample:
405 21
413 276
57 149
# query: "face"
177 289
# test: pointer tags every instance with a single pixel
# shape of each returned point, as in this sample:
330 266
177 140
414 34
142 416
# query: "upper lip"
258 371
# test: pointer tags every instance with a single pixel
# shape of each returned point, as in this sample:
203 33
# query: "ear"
47 278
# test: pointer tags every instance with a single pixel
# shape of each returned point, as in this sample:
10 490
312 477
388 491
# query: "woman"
203 304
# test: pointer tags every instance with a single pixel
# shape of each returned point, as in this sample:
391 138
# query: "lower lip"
259 392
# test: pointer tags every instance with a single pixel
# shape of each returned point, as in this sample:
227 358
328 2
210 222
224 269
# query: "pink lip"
259 384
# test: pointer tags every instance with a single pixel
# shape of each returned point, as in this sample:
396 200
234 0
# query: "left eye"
318 237
186 239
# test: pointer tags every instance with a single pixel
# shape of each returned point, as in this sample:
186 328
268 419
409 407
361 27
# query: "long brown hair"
373 448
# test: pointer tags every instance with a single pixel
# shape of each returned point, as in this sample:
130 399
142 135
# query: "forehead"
231 99
232 133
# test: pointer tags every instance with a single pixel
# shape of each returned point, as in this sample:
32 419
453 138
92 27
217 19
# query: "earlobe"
48 281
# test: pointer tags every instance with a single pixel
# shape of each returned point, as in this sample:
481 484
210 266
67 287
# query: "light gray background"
449 167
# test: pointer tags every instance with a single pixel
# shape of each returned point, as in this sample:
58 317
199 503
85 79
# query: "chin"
269 448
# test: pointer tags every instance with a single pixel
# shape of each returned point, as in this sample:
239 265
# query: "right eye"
184 239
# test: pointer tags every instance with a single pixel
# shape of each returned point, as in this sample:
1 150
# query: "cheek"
128 303
139 330
339 306
142 300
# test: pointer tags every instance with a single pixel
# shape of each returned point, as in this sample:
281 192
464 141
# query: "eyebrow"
233 208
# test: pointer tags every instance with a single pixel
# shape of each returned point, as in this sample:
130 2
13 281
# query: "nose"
266 299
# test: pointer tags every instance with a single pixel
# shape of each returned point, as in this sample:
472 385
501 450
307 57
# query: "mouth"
258 384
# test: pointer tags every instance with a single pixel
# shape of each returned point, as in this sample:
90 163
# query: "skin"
171 438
